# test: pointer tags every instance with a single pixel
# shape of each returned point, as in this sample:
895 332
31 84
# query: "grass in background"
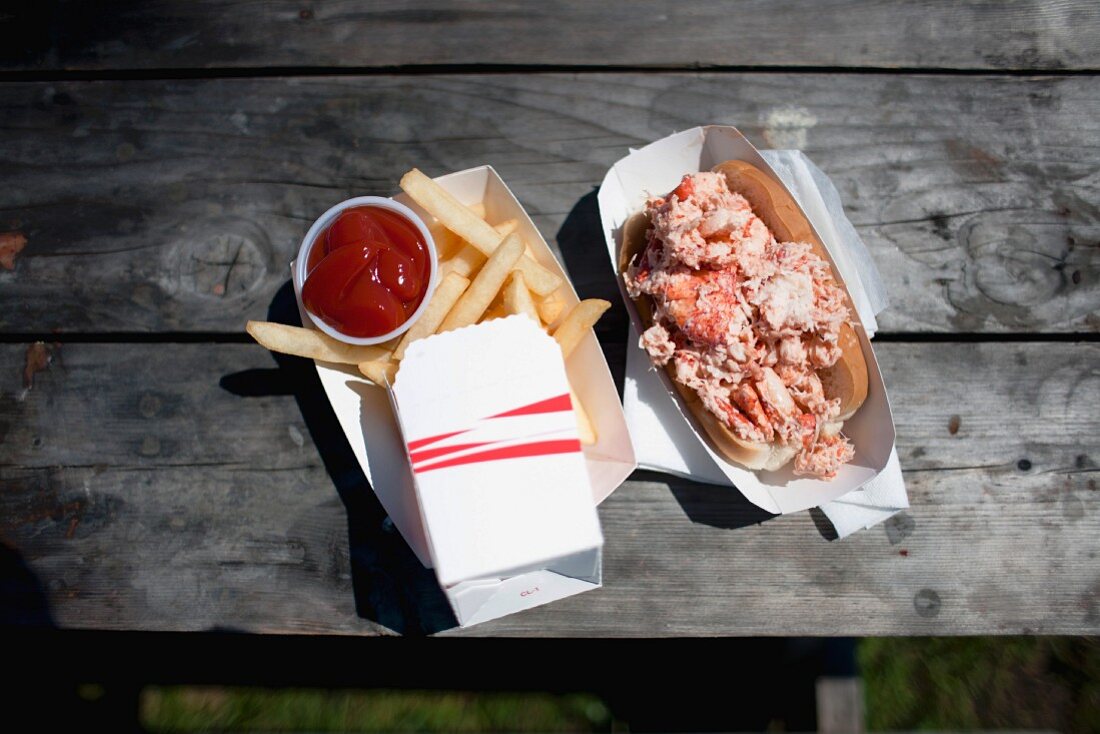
195 709
911 684
953 683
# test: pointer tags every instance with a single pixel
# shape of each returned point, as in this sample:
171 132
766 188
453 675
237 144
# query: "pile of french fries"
486 271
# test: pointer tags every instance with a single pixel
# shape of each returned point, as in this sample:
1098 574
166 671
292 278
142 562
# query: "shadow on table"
708 504
391 586
584 255
584 252
23 601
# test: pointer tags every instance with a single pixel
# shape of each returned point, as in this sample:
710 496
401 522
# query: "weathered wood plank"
176 205
187 492
982 405
236 34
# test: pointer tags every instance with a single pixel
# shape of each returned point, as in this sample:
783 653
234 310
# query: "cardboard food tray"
653 171
367 418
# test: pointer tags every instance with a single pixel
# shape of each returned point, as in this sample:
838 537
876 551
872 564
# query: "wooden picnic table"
158 471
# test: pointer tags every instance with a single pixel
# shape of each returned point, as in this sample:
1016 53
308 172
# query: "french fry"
517 299
391 344
467 225
585 430
478 208
497 304
494 312
310 343
507 227
447 243
577 323
443 300
466 262
550 308
379 371
484 287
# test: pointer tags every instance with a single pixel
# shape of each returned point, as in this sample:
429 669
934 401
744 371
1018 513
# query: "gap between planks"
260 72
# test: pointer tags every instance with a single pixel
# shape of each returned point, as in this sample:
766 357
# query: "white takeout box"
499 472
655 170
366 416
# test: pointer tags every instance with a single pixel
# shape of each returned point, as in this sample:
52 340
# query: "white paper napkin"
664 442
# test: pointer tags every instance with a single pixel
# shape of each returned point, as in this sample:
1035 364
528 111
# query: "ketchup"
367 272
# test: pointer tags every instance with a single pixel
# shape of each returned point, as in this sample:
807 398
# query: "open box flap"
479 601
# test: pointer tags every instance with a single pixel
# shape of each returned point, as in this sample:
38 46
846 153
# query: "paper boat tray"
367 419
653 171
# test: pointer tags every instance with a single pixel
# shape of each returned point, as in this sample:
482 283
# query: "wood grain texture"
177 205
240 34
190 494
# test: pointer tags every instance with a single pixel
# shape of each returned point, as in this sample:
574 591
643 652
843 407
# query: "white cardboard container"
655 170
367 416
499 472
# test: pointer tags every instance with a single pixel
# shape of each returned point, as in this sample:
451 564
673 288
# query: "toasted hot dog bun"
846 380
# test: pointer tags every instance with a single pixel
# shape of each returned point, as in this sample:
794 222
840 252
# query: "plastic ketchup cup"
373 266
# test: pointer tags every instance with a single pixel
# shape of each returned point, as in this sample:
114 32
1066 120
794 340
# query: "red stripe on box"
444 450
538 448
550 405
414 445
